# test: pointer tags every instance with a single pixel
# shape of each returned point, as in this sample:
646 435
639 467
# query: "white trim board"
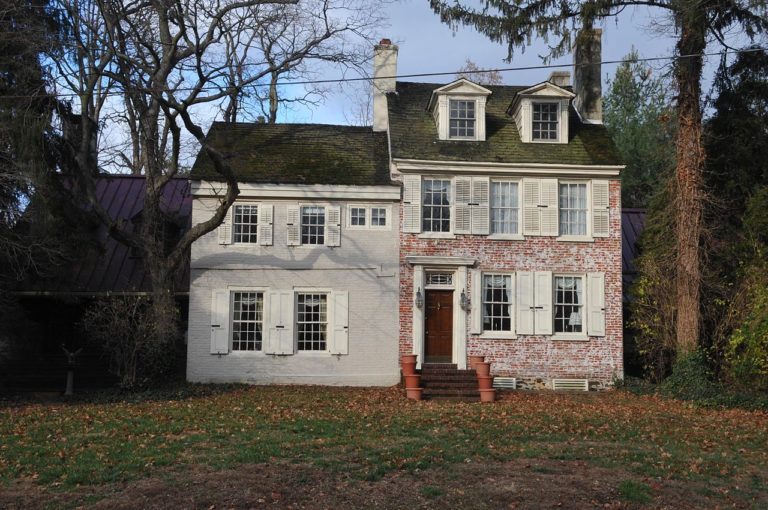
298 191
429 166
426 260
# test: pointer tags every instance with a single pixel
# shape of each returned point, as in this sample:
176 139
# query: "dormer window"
459 111
462 119
541 113
545 121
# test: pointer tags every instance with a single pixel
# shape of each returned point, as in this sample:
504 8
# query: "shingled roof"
413 133
298 154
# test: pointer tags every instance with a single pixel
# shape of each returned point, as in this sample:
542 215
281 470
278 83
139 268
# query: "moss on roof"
413 133
298 154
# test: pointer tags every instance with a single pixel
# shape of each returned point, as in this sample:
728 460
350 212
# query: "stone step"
450 392
459 385
448 377
470 373
438 366
451 399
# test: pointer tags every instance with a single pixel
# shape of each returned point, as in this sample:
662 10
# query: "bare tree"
472 72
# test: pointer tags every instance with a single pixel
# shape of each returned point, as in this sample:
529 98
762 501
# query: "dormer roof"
544 89
460 87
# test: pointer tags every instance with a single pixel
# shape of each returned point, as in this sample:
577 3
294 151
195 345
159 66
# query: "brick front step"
457 385
450 392
449 377
453 399
438 366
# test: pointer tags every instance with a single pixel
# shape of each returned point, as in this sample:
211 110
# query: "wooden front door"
438 333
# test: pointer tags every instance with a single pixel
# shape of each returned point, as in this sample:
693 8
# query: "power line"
415 75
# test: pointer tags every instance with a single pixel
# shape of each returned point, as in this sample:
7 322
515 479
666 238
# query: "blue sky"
426 45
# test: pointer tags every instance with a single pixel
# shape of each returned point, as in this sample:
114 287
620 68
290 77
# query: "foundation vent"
570 384
505 383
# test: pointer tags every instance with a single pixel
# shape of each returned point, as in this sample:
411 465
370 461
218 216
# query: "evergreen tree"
515 22
639 115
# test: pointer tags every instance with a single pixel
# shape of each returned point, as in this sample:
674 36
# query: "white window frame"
451 99
301 224
328 319
254 226
264 329
581 336
451 202
559 115
369 216
588 236
519 235
512 333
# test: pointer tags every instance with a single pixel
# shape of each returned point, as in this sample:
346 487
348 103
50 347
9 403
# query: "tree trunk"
688 177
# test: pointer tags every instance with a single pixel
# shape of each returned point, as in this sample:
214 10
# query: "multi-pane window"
247 320
497 302
436 205
569 304
505 208
573 209
545 121
357 216
444 279
378 217
462 119
246 223
312 225
312 321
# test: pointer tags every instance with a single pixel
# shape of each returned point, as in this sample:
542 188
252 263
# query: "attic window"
462 119
545 119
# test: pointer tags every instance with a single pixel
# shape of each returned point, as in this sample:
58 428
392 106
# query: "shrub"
139 354
746 352
691 379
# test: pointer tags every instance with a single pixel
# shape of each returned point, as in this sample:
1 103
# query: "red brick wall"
535 359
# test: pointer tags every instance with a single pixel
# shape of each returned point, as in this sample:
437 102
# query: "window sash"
357 216
505 207
246 224
569 304
545 121
378 216
461 122
312 225
247 321
312 321
497 302
572 209
436 205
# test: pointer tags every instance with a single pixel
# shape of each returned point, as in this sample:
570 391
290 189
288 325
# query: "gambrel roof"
413 133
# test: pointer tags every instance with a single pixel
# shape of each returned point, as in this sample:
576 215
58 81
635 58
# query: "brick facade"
534 360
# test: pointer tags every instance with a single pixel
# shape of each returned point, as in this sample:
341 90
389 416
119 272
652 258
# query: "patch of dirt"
522 483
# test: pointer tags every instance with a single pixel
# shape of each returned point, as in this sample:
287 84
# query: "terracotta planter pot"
485 382
412 381
408 368
408 358
413 393
487 395
483 369
474 360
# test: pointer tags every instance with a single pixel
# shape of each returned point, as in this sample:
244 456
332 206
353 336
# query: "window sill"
498 335
247 354
570 338
436 235
575 239
506 237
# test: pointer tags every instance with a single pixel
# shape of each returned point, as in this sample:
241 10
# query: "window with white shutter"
293 226
526 306
462 221
480 205
412 204
542 297
340 338
266 227
333 214
280 323
600 209
531 209
225 229
596 304
220 322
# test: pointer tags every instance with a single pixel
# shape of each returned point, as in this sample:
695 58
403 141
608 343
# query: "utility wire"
415 75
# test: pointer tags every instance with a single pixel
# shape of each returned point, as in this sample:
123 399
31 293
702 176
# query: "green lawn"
645 450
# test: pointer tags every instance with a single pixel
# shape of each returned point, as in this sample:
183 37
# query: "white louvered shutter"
333 225
596 304
548 204
225 229
476 313
524 303
293 225
412 204
462 210
220 322
531 210
481 205
600 209
340 337
542 296
266 228
280 323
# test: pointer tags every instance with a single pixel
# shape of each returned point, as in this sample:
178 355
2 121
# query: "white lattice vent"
570 384
505 383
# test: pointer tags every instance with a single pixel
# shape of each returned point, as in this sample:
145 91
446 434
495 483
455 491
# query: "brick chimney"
587 82
384 71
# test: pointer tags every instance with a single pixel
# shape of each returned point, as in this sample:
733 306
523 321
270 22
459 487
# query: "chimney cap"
385 42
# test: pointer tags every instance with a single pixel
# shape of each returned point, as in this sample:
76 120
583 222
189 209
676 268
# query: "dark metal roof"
632 225
109 266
